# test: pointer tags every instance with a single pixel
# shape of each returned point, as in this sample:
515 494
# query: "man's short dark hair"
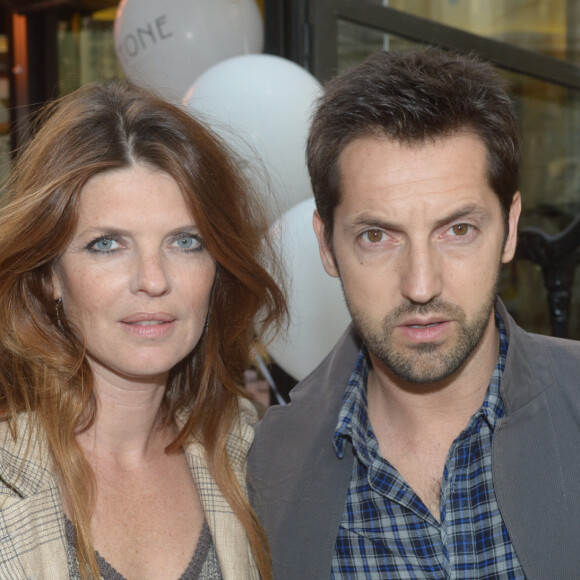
413 97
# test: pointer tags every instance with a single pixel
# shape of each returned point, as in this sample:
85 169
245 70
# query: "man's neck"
416 424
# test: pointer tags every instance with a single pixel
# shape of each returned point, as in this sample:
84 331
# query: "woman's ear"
56 286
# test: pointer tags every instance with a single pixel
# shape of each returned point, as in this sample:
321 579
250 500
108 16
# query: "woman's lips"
149 325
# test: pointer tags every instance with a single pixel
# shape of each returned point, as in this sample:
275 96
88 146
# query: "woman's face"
136 278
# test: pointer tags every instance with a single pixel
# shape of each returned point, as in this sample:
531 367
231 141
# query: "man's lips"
423 322
424 329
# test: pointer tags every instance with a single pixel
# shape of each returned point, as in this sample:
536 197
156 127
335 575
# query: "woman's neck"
126 428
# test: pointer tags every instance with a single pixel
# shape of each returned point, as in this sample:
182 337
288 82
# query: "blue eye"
188 242
103 245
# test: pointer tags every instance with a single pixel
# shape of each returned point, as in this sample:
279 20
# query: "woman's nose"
150 275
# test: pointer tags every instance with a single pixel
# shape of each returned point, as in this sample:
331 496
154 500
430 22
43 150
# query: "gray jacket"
298 485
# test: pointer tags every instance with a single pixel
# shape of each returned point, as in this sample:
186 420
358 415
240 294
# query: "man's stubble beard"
427 362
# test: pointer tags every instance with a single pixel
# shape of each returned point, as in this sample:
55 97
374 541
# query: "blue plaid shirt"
386 530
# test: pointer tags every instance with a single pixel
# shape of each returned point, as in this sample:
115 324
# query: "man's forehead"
373 140
378 170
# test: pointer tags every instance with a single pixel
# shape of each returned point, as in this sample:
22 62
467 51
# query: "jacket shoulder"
25 462
537 364
290 438
316 395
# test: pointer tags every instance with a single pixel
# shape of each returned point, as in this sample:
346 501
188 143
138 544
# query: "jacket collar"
520 383
26 465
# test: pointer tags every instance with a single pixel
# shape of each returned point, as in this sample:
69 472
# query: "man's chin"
426 363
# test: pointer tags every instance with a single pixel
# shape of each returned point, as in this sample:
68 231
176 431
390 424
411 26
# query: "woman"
131 258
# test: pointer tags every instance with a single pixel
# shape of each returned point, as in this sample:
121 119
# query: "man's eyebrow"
372 222
470 210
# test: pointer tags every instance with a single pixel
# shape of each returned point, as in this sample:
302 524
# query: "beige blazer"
32 534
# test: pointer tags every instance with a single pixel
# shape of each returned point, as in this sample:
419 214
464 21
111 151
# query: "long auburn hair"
43 369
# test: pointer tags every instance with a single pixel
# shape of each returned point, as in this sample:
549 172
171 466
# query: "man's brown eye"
374 236
460 229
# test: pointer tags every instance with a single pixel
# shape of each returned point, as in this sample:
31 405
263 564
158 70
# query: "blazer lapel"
229 537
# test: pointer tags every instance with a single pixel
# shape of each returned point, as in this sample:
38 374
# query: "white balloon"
318 314
165 45
261 104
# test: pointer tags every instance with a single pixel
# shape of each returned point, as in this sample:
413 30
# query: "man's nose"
421 276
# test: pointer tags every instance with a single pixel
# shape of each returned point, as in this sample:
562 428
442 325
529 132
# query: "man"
437 439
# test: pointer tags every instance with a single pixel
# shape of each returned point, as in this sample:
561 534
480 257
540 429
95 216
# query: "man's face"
418 243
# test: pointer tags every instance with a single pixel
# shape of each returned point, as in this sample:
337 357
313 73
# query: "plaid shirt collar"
353 419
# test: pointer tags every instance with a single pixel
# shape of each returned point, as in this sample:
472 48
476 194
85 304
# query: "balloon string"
266 374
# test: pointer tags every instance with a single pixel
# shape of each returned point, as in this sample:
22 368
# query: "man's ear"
326 253
509 247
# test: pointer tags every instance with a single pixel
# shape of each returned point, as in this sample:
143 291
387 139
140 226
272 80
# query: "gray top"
204 564
298 485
